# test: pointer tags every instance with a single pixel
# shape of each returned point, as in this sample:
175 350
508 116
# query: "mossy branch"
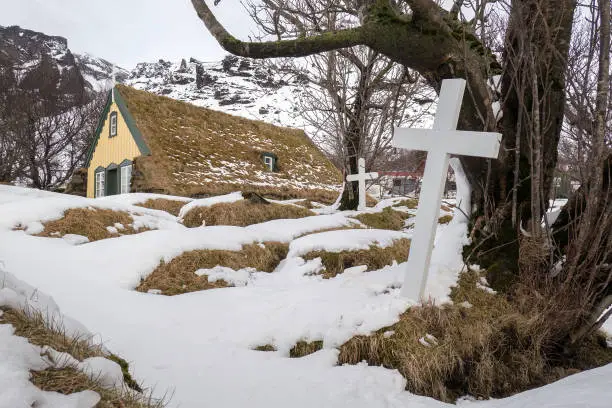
300 47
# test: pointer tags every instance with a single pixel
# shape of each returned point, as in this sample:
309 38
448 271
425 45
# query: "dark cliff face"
41 63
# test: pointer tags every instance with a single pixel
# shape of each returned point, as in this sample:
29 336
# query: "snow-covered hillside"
238 86
98 72
199 346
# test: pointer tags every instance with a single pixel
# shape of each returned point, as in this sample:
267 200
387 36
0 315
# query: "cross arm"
459 142
365 176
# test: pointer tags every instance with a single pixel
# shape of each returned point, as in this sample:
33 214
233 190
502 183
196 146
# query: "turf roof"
195 148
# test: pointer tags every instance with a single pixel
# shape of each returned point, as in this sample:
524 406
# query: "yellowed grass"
41 332
305 203
89 222
486 350
195 135
375 257
445 219
411 203
388 218
265 347
303 348
178 276
242 213
170 206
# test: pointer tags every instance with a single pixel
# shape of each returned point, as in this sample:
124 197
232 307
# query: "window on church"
269 162
126 178
113 124
99 184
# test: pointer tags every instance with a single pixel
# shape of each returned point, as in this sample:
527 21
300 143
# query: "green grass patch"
411 203
178 276
445 219
388 218
482 345
242 213
303 348
375 257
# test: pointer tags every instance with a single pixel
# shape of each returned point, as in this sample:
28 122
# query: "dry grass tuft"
386 219
69 380
303 348
305 203
89 222
178 276
375 257
170 206
486 350
242 213
265 347
411 203
370 201
41 331
445 219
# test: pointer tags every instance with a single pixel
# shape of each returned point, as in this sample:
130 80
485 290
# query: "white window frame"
113 124
126 178
100 184
269 162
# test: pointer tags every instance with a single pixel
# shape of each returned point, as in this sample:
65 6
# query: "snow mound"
344 240
209 201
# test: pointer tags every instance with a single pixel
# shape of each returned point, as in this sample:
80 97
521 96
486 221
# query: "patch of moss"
411 203
265 347
125 369
388 218
303 348
445 219
374 258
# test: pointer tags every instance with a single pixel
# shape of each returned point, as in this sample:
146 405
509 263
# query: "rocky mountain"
39 60
98 73
240 86
234 85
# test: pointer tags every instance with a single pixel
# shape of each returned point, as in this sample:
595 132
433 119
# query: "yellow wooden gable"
112 152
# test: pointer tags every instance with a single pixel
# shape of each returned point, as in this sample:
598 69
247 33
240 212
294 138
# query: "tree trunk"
506 187
353 139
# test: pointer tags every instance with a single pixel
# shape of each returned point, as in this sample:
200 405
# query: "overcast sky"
128 31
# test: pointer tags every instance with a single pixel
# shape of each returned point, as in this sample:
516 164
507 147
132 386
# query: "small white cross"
439 142
361 177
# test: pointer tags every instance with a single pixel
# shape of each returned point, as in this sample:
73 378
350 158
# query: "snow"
139 198
75 239
199 346
229 275
18 356
106 372
209 201
344 240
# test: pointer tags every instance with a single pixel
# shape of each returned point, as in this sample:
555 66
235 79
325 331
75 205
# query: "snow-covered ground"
198 346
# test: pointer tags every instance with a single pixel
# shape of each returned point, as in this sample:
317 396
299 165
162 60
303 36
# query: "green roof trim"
131 123
129 120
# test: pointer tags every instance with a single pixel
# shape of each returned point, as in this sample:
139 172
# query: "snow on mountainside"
37 58
237 86
98 72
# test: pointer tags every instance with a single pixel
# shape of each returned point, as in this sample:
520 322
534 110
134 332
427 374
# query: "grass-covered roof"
197 151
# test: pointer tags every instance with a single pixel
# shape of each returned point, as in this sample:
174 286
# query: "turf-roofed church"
150 143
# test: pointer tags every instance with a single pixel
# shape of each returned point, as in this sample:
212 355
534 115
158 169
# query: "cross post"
439 142
361 177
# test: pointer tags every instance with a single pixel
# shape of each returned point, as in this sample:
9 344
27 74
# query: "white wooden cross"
439 142
361 177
